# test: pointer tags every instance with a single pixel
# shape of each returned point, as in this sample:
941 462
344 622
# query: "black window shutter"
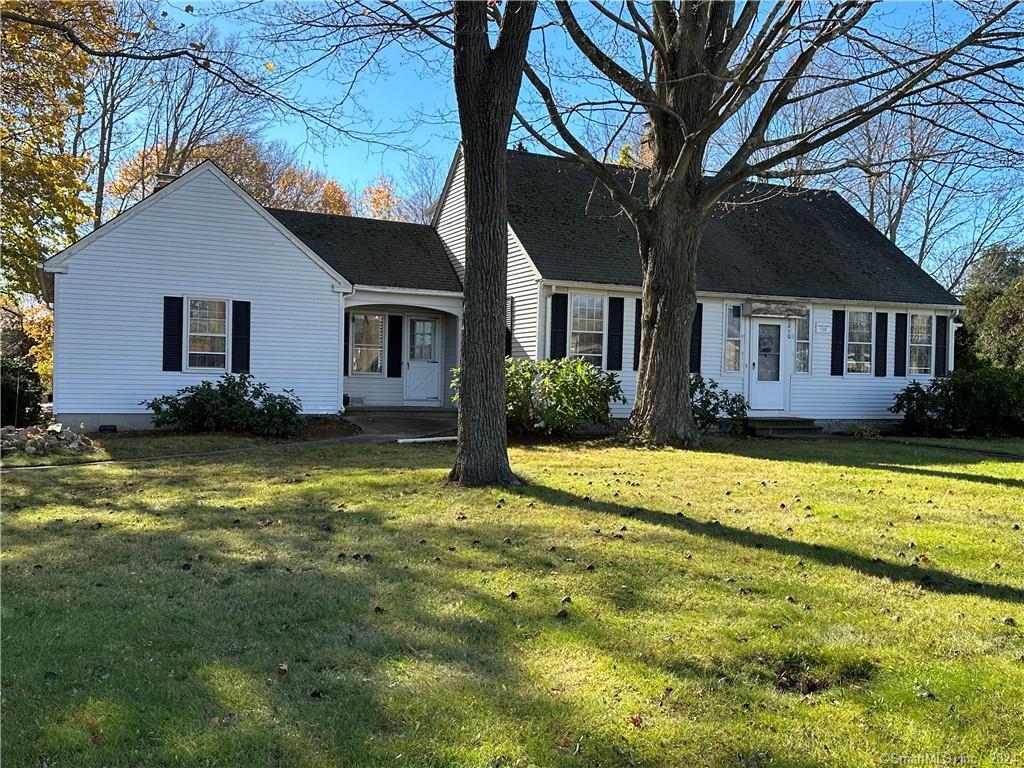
838 342
941 345
510 320
395 346
174 319
637 330
348 342
616 309
240 317
899 367
881 342
696 333
558 341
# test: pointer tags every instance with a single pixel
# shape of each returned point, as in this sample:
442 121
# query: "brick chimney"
163 179
645 157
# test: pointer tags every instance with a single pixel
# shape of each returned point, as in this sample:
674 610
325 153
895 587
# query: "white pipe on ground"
408 440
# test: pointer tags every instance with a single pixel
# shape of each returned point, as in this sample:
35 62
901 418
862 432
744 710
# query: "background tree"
43 86
379 200
690 68
38 324
993 330
117 94
267 171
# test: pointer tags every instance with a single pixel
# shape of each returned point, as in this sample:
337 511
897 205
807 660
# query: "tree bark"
486 87
669 237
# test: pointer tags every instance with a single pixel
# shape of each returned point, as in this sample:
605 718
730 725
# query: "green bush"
556 397
231 404
22 394
716 407
978 402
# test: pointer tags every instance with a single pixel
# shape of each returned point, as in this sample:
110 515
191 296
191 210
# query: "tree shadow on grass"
870 454
933 580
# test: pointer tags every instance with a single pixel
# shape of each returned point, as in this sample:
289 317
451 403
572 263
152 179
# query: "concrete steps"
783 426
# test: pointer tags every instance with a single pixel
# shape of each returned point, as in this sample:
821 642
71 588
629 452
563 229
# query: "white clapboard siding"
522 275
817 395
451 219
851 396
523 279
199 239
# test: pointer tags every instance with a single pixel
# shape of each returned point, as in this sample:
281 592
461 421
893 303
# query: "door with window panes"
423 361
768 363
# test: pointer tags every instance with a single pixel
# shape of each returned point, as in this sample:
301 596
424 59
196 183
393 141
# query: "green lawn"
757 603
137 445
1008 445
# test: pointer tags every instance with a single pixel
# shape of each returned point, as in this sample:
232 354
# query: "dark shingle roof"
373 252
765 240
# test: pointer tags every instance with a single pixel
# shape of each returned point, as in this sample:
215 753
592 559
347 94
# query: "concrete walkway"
376 426
385 426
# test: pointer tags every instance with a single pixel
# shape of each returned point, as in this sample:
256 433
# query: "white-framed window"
859 338
922 337
802 343
733 339
207 334
367 343
586 327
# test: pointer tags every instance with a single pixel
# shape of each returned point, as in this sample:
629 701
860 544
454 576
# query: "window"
367 343
802 344
587 338
858 342
732 337
207 334
421 340
921 343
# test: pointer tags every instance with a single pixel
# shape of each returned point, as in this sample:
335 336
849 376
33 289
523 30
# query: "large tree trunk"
486 86
669 240
483 436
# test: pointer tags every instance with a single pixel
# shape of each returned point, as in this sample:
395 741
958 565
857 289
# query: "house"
803 306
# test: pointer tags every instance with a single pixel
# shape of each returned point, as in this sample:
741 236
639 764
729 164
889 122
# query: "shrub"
978 402
21 395
231 404
556 397
716 407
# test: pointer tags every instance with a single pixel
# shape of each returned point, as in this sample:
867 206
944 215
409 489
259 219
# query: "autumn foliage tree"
380 200
43 83
267 171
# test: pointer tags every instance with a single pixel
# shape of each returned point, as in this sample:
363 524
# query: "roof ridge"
346 216
756 181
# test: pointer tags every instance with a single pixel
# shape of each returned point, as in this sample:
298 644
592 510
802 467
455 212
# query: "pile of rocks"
43 440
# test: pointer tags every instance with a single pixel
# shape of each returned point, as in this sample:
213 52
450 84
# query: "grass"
1008 445
135 446
755 603
147 444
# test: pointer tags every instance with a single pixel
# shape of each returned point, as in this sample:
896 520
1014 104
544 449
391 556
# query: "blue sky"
398 100
394 101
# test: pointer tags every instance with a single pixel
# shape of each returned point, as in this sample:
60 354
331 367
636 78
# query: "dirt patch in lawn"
326 427
802 673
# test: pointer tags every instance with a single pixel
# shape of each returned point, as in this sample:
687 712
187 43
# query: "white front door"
423 365
766 365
